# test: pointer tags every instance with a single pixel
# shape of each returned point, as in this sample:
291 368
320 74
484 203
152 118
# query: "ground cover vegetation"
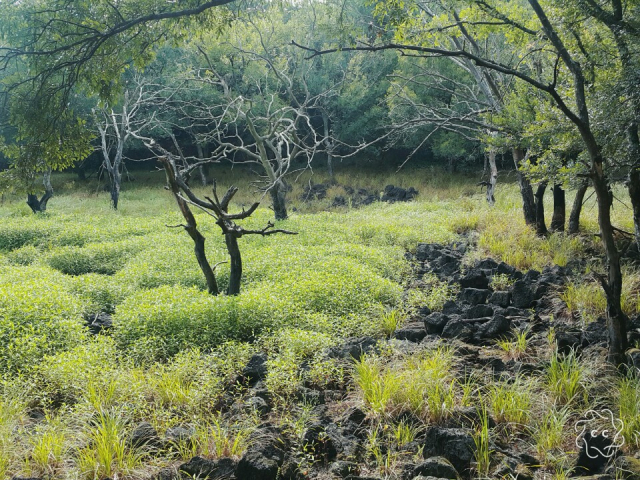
172 379
397 326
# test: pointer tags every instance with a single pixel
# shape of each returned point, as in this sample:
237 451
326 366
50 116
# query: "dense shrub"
104 258
67 376
38 316
160 322
169 260
99 293
24 255
19 232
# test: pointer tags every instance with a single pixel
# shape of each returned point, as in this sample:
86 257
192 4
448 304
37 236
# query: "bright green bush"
38 316
163 321
28 231
66 376
99 293
103 258
169 260
25 255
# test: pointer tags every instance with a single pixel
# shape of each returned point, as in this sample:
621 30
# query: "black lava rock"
474 296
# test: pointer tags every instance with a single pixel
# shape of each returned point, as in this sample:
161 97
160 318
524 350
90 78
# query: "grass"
516 348
175 353
566 377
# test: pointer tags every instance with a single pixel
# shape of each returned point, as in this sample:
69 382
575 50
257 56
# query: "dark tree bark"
115 193
235 275
576 210
278 194
634 193
493 178
40 205
328 143
191 227
526 192
559 209
541 226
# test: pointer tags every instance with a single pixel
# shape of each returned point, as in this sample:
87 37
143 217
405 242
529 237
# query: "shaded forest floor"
436 338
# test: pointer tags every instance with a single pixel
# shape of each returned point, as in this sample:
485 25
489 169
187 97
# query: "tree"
560 76
51 50
118 124
218 209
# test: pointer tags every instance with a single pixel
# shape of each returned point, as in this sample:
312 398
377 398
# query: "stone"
438 467
322 440
595 453
180 433
474 296
595 333
167 474
633 355
256 368
455 444
99 322
462 329
625 467
523 294
479 311
435 322
475 279
566 341
413 332
394 194
506 269
145 435
495 327
487 264
531 276
264 456
353 348
201 468
258 404
501 298
343 469
451 308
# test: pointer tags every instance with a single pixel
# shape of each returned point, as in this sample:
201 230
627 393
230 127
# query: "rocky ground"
332 445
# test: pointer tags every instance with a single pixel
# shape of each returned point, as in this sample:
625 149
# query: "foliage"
37 316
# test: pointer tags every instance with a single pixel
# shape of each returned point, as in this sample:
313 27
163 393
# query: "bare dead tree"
218 209
118 124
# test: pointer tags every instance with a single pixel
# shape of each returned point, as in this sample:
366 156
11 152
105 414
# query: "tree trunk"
634 178
574 217
559 209
40 206
493 178
528 200
616 319
191 227
115 194
235 275
634 193
278 194
541 226
328 145
201 170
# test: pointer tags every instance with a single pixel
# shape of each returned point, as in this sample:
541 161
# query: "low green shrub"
99 293
67 376
169 260
38 316
24 255
103 258
24 231
161 322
